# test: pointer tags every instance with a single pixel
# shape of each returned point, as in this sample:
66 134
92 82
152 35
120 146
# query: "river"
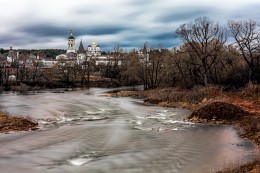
82 131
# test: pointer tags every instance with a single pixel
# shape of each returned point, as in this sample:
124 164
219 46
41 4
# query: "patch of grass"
251 90
171 95
21 88
12 123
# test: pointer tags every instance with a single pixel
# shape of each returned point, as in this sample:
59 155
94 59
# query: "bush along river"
82 131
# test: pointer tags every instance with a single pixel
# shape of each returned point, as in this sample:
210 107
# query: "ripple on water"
161 120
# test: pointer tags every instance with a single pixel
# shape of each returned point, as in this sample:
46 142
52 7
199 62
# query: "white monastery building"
80 55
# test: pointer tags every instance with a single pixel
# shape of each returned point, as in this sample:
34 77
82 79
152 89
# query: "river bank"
171 97
81 130
12 123
247 99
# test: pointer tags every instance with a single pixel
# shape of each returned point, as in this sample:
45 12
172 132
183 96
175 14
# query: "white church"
80 55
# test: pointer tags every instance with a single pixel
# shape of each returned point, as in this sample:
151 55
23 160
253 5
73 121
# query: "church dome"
71 37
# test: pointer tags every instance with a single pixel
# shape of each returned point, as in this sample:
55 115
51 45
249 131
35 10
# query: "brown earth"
219 111
247 124
13 124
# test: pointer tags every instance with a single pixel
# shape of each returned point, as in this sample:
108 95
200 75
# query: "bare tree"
118 58
247 38
152 68
23 69
156 67
51 76
66 69
131 67
2 68
205 39
36 71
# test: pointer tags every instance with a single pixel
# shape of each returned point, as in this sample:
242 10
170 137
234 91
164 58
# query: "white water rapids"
81 131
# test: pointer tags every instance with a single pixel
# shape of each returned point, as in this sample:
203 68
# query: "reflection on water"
82 131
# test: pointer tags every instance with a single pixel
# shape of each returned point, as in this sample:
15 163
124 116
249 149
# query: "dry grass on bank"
247 98
11 123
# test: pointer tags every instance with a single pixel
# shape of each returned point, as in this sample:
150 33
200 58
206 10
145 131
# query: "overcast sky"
40 24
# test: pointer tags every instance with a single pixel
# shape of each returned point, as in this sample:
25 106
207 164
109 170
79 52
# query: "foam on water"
79 161
93 118
161 120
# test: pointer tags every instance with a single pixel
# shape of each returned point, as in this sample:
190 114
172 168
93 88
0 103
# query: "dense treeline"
45 53
204 58
52 53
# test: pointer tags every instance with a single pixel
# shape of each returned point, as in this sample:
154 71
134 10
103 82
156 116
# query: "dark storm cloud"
165 36
168 43
44 30
104 30
184 13
8 39
126 22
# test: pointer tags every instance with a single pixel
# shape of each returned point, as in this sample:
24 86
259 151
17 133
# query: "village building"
93 49
12 56
82 54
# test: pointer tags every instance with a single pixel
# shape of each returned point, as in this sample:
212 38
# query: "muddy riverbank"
245 102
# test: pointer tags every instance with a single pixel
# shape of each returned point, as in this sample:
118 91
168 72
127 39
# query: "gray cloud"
165 36
48 30
104 30
184 13
44 30
8 39
127 23
246 12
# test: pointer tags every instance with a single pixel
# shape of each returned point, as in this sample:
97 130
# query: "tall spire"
71 43
81 47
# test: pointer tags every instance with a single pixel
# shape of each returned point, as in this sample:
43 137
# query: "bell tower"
71 43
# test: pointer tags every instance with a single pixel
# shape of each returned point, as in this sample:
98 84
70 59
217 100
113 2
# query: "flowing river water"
84 132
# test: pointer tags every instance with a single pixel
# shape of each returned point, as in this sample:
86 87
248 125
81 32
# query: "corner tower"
71 43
